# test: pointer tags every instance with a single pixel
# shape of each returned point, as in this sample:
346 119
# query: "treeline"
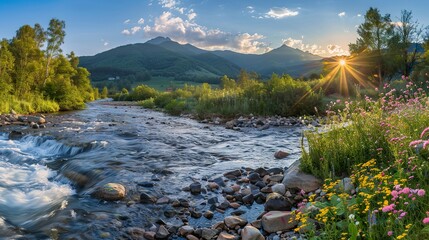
280 95
36 77
386 49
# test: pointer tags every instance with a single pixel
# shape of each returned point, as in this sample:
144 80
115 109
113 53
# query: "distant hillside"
165 58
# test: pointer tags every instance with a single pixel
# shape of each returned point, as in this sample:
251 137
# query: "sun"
342 62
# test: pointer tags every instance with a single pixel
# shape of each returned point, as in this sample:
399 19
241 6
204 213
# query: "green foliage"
163 99
148 103
176 107
143 92
42 79
104 92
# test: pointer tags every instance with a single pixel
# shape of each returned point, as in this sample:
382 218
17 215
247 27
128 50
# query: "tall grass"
32 104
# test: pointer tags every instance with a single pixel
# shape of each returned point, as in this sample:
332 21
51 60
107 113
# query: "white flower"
357 223
351 216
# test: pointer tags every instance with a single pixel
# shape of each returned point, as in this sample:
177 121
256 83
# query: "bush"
143 92
148 103
175 107
163 99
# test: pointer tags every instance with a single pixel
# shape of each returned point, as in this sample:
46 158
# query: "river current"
46 178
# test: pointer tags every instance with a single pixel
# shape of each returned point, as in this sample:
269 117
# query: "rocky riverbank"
220 200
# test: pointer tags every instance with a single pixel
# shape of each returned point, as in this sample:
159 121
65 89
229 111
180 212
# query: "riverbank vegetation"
373 151
36 77
280 95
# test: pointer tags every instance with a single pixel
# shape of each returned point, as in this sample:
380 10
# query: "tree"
374 36
409 34
227 83
55 38
104 92
6 67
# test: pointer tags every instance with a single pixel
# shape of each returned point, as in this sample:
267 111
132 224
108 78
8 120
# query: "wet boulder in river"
110 192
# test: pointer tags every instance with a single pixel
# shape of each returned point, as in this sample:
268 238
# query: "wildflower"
424 132
426 220
389 233
388 208
402 215
421 192
406 190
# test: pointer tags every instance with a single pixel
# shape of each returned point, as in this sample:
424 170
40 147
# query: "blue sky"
323 27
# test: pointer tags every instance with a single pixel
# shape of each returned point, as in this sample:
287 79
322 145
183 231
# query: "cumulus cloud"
341 14
329 50
126 32
279 13
187 31
397 24
172 4
250 9
127 21
336 50
359 15
140 21
191 14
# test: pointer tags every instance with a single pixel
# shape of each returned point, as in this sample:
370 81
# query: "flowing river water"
46 177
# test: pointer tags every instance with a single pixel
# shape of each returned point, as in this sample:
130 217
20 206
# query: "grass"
163 83
382 145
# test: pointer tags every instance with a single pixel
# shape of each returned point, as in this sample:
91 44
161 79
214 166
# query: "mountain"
163 57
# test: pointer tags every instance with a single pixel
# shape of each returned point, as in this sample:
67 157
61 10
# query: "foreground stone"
110 192
275 221
226 236
251 233
295 178
233 221
281 154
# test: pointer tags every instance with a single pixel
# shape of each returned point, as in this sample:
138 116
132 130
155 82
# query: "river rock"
185 230
149 235
77 178
277 202
110 192
195 188
135 233
230 124
279 188
147 198
295 178
254 177
261 171
251 233
226 236
233 221
212 185
248 199
191 237
208 214
233 174
162 232
207 233
345 185
234 205
276 178
280 154
274 221
228 190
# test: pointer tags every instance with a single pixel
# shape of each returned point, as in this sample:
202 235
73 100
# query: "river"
122 144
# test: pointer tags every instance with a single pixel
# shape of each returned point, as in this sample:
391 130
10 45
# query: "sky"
322 27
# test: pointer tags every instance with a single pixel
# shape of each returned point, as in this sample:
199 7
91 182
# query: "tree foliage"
41 77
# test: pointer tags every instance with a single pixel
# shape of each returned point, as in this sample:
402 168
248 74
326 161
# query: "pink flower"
416 142
394 193
389 233
406 190
424 132
421 192
388 208
426 220
403 214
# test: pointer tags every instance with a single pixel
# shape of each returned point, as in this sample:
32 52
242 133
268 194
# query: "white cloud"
359 15
168 3
172 4
187 31
141 21
329 50
127 21
105 43
397 24
279 13
191 14
126 32
336 50
250 9
134 30
341 14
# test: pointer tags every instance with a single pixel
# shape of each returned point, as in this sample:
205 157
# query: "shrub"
175 107
148 103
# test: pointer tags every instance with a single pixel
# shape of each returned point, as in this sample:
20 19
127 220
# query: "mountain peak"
159 40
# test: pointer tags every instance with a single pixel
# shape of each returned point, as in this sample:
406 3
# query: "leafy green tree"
55 37
6 67
227 83
104 92
374 36
408 34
